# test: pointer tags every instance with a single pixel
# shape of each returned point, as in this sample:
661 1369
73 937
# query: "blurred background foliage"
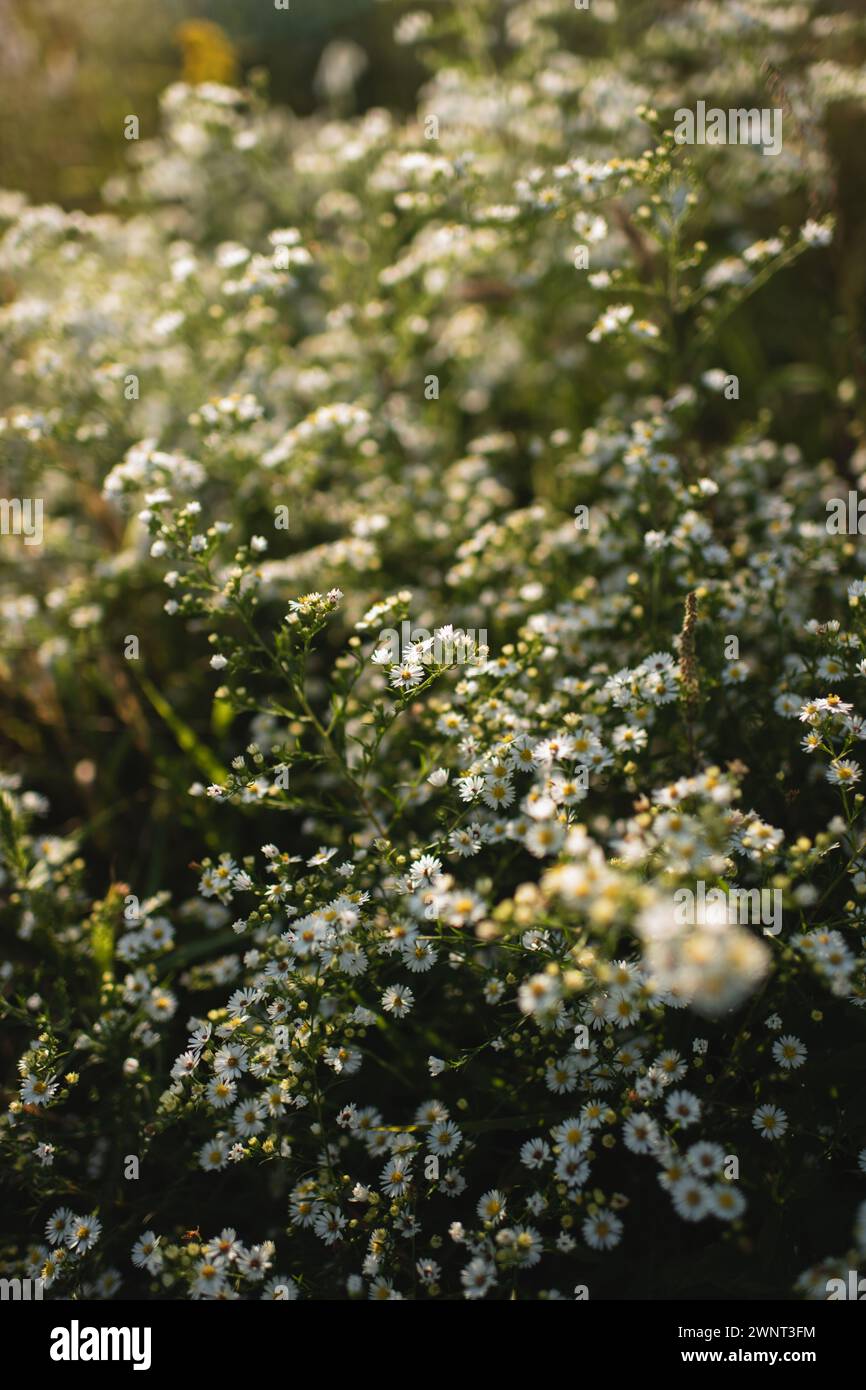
69 74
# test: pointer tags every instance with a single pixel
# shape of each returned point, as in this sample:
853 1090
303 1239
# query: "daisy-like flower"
83 1233
146 1253
383 1291
425 869
540 994
830 667
304 1210
329 1225
528 1245
470 787
833 704
185 1065
536 1152
705 1160
255 1262
226 1245
430 1112
591 1116
247 1117
37 1090
497 792
726 1201
396 1177
428 1271
683 1107
419 957
691 1198
561 1077
406 675
322 856
640 1134
108 1284
491 1207
52 1267
230 1062
603 1231
671 1065
572 1168
844 772
789 1052
544 838
575 1134
398 1000
629 738
58 1225
280 1289
213 1156
221 1092
478 1278
674 1168
735 673
770 1121
444 1138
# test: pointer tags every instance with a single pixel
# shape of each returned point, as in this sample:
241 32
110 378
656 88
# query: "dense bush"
345 956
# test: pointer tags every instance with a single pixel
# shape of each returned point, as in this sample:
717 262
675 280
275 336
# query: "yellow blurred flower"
208 54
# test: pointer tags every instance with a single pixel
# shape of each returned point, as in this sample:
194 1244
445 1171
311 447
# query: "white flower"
602 1231
213 1155
691 1198
726 1201
478 1278
398 1000
789 1052
82 1233
58 1226
770 1121
817 233
37 1090
844 772
491 1207
683 1107
146 1253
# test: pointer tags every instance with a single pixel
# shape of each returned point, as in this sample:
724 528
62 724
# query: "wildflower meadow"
433 672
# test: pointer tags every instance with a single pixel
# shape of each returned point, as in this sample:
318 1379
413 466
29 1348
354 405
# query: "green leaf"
221 717
186 738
